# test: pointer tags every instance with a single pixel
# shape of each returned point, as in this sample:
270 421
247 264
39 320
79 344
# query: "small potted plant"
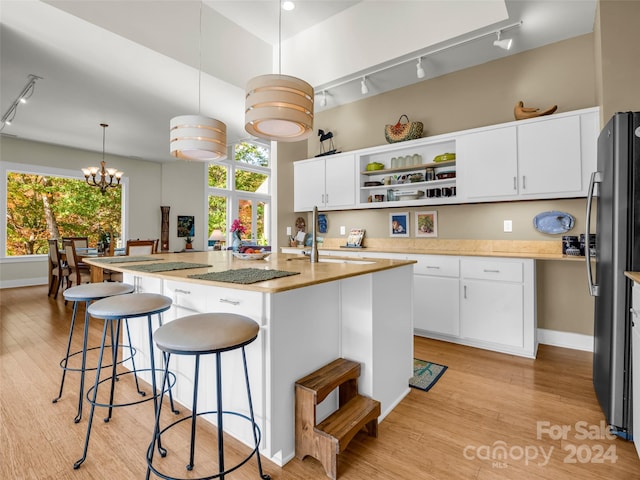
188 243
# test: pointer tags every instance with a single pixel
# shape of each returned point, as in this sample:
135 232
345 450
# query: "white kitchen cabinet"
436 305
497 304
326 182
546 157
635 365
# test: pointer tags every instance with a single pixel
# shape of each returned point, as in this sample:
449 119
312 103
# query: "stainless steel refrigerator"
616 186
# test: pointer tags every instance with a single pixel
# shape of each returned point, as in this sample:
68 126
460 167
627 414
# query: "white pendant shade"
195 137
279 107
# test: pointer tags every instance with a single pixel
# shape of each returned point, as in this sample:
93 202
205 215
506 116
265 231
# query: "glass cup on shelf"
394 162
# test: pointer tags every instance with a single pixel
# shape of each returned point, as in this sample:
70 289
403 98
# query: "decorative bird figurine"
521 112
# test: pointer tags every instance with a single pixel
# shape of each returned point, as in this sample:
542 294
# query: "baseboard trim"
575 341
24 282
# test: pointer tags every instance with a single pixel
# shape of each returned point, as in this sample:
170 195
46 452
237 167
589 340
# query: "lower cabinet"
635 365
477 301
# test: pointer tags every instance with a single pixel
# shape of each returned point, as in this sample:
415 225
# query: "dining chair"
58 272
140 247
79 242
77 272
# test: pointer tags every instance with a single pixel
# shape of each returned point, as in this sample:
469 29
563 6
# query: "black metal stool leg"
85 341
253 420
194 413
95 397
156 429
66 355
154 389
133 361
219 405
164 357
114 365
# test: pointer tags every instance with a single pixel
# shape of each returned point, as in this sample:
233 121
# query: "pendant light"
196 137
113 173
279 107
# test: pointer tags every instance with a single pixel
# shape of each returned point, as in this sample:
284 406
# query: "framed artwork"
186 226
427 224
399 224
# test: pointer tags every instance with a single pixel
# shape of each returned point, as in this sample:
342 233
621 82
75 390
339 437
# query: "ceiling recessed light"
288 6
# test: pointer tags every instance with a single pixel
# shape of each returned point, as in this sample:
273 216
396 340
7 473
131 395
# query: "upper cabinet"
541 158
547 157
326 182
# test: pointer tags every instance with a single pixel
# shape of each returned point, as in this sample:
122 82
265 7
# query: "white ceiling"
135 64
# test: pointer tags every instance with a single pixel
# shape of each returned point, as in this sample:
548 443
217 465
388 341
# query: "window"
239 187
43 203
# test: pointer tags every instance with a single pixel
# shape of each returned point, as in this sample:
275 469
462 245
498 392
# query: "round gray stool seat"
134 305
206 333
95 291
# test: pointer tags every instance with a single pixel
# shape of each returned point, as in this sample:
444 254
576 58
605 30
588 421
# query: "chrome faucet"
313 255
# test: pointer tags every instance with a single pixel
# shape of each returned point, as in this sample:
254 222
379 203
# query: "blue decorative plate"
553 222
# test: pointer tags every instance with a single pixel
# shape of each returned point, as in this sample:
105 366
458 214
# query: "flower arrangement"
236 226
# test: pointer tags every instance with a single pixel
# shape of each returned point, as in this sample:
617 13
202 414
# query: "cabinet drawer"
242 302
437 265
189 296
483 269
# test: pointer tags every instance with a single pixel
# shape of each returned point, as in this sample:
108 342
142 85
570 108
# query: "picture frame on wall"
399 224
186 226
427 224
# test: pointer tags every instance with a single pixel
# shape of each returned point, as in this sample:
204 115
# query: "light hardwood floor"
485 400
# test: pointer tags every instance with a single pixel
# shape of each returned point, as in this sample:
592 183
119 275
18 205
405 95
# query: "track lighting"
323 100
504 44
24 95
419 69
363 86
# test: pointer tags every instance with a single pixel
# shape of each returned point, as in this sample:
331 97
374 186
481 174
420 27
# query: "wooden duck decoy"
521 112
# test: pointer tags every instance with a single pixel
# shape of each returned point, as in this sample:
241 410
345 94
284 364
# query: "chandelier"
113 174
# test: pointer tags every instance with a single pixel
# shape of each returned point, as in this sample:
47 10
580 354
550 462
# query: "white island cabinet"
362 312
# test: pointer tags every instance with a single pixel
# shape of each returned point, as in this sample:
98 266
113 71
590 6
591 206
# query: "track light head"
363 86
419 69
505 44
323 100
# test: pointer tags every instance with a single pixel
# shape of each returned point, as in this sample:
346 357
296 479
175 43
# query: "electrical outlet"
289 231
508 226
343 230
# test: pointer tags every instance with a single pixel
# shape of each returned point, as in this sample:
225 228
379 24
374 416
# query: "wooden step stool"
325 440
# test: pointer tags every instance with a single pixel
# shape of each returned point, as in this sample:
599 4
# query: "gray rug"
243 275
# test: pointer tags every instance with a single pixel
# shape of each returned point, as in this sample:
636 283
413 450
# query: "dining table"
97 274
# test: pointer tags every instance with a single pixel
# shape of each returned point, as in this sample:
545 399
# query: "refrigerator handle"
596 177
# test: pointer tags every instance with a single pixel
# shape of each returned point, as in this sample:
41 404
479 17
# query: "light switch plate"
508 226
289 231
343 230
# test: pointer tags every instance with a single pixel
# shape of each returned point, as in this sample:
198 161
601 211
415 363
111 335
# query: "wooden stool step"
324 441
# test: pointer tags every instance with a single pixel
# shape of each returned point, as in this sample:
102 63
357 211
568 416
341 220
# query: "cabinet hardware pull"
232 302
434 267
524 182
486 270
515 183
465 292
186 292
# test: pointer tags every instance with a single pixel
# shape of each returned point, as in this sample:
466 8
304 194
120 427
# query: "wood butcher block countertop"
635 276
535 249
309 273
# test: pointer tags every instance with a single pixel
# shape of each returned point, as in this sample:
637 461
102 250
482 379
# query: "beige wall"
617 54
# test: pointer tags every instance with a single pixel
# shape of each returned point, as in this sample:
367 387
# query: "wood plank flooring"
486 403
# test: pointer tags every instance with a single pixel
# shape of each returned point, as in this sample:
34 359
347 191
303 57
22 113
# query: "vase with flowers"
237 229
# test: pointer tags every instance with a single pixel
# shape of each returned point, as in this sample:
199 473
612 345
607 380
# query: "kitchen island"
355 309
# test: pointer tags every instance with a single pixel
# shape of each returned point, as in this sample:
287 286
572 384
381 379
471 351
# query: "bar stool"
87 293
204 334
116 309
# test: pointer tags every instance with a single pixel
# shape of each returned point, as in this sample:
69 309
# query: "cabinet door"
487 163
308 184
492 312
549 156
340 175
436 304
635 365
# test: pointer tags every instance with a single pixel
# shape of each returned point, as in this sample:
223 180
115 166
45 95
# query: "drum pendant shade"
195 137
279 107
